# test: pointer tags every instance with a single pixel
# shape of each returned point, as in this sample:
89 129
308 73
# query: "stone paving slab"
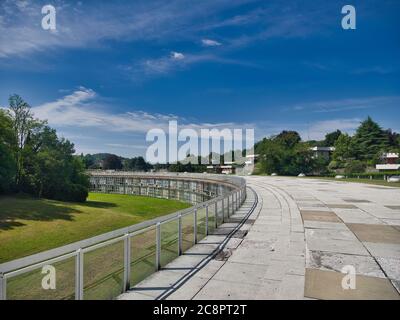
229 290
330 261
321 284
338 246
341 206
329 234
324 216
375 233
383 250
324 225
391 266
356 216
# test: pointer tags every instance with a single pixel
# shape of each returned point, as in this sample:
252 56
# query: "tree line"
34 160
109 161
363 150
287 154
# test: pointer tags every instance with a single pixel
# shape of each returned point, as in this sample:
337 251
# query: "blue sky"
115 69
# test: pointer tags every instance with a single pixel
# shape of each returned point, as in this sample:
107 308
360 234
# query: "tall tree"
23 124
370 140
331 138
44 165
7 148
52 171
343 148
288 138
393 138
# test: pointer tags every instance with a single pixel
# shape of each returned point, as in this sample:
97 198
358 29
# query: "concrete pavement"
294 245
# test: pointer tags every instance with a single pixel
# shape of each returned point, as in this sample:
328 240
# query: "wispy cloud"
319 129
210 43
374 70
84 109
177 61
348 104
105 130
80 24
313 130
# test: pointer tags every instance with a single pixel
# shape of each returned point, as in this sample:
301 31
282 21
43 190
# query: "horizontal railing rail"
216 210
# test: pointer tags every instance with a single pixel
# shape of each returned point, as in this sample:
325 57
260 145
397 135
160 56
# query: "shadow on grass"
24 208
98 204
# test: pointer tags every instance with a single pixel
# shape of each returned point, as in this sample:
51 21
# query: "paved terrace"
291 240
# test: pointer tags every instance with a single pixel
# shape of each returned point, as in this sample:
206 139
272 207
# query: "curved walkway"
296 243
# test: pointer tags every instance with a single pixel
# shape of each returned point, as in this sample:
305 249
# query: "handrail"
235 195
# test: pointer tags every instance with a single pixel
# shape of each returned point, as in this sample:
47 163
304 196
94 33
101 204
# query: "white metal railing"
215 210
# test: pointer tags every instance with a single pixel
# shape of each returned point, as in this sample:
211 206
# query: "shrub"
72 193
355 166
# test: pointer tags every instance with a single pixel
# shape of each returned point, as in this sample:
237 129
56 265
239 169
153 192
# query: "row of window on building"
188 191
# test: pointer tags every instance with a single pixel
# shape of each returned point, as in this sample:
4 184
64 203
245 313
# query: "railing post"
180 235
216 213
2 287
228 205
158 246
223 210
79 275
195 225
206 220
237 200
127 262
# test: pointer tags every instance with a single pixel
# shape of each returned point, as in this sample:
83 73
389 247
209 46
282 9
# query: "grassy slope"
29 225
367 181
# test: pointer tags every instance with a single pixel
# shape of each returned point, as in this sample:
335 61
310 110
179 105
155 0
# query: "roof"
329 149
390 155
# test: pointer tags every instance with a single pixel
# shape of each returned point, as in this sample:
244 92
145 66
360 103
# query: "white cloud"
348 104
83 109
81 26
177 61
84 25
177 55
84 112
210 43
319 129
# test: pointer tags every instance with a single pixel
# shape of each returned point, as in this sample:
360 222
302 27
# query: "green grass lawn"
29 225
367 181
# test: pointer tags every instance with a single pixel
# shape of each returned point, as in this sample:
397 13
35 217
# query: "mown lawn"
29 225
367 181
